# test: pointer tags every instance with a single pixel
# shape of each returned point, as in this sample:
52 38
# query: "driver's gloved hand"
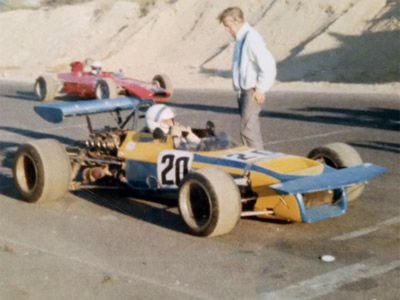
178 130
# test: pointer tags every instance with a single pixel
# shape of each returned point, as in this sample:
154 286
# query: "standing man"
253 73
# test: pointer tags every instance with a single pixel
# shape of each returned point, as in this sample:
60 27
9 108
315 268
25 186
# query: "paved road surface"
109 245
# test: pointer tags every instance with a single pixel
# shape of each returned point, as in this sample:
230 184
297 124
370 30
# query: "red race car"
94 83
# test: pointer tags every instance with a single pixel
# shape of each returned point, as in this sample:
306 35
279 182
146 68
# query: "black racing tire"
105 88
209 202
163 81
339 156
46 88
42 171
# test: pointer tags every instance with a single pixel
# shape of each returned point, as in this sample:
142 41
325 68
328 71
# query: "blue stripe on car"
224 162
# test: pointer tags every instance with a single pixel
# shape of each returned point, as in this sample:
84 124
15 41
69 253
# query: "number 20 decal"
172 166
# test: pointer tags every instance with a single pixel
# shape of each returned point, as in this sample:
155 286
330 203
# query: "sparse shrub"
329 10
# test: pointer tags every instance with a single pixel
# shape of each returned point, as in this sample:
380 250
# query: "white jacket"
257 65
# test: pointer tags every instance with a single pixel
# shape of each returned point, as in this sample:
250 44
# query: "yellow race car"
217 181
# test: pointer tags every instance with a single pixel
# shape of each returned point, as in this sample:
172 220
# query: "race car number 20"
172 166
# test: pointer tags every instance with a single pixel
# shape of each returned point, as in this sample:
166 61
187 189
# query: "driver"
96 67
161 117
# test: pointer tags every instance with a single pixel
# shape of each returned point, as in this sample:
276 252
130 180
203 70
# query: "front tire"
339 156
46 88
105 88
209 202
42 171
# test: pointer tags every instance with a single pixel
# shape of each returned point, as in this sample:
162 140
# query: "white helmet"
157 113
96 67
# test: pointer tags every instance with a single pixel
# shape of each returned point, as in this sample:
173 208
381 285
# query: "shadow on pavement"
8 188
30 96
369 117
149 207
19 95
378 145
34 135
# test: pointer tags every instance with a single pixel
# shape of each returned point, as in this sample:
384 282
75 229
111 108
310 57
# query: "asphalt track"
106 244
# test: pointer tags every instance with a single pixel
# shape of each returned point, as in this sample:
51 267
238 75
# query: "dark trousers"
249 111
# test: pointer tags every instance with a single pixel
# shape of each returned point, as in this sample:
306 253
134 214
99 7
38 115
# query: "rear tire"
42 171
105 88
46 88
339 156
209 202
163 81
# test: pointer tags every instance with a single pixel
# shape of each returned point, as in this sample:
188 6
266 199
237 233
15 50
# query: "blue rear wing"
55 112
328 180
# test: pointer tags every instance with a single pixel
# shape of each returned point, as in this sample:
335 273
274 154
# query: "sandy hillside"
347 41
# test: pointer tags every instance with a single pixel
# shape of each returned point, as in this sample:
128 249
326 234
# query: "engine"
107 141
96 158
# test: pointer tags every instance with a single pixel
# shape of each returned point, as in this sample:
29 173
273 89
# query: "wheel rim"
26 173
197 206
157 83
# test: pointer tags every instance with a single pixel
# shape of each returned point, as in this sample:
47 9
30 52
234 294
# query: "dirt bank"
348 41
